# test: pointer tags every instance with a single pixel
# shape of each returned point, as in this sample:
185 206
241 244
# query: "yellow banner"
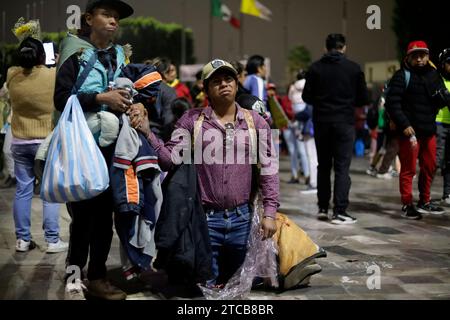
249 7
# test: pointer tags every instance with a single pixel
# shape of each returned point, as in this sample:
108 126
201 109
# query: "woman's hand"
116 100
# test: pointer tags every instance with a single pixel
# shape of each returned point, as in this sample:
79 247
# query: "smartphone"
50 58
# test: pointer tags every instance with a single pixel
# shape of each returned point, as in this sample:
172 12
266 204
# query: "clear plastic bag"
260 262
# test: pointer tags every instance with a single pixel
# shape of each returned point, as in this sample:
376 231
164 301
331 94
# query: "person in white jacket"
293 137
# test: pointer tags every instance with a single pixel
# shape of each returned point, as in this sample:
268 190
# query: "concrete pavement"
413 257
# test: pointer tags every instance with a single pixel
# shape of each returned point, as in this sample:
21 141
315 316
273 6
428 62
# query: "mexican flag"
218 9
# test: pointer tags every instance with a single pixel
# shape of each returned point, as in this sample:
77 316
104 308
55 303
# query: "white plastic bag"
75 168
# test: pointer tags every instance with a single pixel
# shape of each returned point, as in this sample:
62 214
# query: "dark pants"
334 143
91 230
391 146
91 234
443 155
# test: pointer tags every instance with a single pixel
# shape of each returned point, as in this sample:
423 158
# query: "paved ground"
413 256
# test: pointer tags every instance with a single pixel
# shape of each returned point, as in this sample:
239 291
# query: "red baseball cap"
417 46
271 86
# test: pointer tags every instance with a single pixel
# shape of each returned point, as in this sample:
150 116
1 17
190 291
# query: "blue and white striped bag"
75 168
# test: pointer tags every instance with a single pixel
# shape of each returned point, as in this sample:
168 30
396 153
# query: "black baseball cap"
124 9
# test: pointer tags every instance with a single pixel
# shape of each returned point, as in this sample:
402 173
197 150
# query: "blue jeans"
23 169
296 150
229 231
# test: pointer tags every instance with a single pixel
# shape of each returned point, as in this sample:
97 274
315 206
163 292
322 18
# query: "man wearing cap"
92 220
225 186
414 97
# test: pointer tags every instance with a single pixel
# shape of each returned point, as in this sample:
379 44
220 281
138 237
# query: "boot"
103 289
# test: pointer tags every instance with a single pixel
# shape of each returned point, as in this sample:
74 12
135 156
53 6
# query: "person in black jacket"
334 87
415 95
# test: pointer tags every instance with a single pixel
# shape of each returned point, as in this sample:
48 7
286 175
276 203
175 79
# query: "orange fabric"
147 80
132 185
294 245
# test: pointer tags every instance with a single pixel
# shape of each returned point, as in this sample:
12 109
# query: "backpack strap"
252 132
251 128
84 74
198 127
407 77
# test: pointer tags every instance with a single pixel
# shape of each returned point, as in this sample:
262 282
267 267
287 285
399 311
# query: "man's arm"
269 181
441 97
172 152
393 104
362 95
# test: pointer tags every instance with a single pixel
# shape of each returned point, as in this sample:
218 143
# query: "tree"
422 21
151 38
299 58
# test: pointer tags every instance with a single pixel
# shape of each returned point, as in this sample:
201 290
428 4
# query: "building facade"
294 22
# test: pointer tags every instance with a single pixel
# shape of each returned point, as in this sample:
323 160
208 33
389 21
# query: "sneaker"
395 174
342 217
430 208
410 212
75 291
296 277
131 273
24 246
445 201
310 190
294 181
372 172
384 176
57 247
323 215
103 289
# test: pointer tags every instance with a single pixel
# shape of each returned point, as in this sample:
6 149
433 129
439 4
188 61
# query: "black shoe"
410 212
430 208
323 215
294 181
307 180
342 217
